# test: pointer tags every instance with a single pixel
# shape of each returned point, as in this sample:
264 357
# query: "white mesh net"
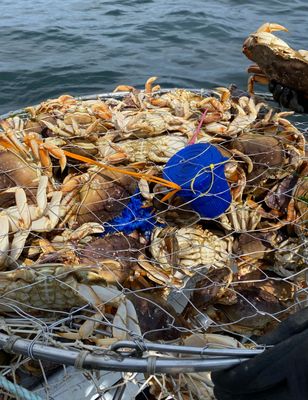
98 246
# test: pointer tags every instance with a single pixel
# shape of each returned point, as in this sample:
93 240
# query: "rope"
197 131
16 390
80 359
138 175
211 168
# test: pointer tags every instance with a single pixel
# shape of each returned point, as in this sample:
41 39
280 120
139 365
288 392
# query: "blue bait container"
199 170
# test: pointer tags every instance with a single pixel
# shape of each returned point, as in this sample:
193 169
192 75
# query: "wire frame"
166 302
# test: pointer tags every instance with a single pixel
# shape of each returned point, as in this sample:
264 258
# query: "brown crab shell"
251 315
283 65
257 300
266 153
104 197
300 196
119 248
245 307
157 318
16 172
210 289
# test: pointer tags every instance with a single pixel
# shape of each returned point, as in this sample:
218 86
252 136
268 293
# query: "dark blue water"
84 47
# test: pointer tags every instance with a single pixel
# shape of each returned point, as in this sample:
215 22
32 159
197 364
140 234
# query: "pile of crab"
69 167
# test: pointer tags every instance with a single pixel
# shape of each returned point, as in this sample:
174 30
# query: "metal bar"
149 364
201 351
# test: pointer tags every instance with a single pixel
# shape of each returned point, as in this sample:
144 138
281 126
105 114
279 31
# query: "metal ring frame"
112 360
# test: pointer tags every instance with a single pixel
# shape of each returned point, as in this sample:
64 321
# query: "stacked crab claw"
183 278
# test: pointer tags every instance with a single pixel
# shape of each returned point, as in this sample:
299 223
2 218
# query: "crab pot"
144 242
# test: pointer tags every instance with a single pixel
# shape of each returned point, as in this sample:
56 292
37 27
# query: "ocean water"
84 47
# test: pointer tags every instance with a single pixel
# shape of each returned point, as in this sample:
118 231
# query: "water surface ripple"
80 47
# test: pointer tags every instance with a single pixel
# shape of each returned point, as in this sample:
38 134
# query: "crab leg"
271 27
41 151
123 88
9 140
55 151
7 255
21 219
19 224
23 208
18 244
4 239
125 319
31 140
258 76
56 129
45 160
149 84
47 223
41 198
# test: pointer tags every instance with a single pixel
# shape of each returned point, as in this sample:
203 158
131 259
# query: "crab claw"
42 151
8 139
254 69
33 141
123 88
149 84
57 153
271 27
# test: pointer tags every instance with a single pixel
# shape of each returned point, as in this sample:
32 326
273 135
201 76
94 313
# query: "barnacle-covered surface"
90 255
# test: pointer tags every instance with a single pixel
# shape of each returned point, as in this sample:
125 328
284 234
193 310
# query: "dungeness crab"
276 60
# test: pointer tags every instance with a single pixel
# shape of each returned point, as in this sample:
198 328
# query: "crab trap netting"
148 237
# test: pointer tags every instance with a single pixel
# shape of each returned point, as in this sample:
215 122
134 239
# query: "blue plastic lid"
199 170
